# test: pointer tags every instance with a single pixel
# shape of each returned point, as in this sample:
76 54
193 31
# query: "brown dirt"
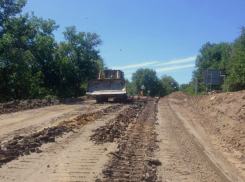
24 145
179 138
134 160
21 105
72 157
221 117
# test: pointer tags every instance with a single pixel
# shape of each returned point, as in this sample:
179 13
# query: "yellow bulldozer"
110 85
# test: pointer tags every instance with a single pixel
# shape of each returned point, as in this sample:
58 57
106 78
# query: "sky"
163 35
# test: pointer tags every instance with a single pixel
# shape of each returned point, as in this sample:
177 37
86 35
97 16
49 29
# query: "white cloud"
174 67
135 65
189 59
127 76
156 65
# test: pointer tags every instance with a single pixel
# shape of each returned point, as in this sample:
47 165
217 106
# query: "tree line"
34 65
153 85
229 57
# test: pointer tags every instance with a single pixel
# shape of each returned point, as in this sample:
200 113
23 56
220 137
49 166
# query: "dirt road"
143 140
26 122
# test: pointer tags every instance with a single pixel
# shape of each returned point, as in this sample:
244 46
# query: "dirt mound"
222 115
17 105
179 95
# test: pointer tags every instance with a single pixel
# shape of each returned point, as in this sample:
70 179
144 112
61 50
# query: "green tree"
80 49
26 57
189 88
43 49
169 84
148 78
236 74
211 56
8 9
15 58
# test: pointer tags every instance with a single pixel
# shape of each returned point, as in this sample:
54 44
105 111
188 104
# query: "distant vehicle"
110 85
130 96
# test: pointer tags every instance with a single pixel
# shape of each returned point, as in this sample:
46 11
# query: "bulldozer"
110 86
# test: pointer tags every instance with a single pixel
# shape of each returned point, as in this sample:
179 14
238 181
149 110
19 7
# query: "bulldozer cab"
111 74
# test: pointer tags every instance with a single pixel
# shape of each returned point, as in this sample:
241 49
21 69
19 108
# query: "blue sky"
164 35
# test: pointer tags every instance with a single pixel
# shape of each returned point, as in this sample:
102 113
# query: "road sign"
143 87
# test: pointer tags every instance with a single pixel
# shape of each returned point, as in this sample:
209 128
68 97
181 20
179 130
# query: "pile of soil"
18 105
222 115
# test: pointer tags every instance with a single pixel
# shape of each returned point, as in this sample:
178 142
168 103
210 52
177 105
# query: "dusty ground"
21 105
179 138
26 122
219 120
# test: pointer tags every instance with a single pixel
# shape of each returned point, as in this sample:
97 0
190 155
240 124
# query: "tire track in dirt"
180 157
134 159
71 158
26 122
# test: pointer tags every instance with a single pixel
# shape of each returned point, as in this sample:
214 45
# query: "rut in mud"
134 160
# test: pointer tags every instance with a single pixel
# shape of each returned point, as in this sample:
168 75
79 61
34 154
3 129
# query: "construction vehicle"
110 85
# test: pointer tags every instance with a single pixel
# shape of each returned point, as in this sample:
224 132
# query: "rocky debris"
25 145
18 105
134 159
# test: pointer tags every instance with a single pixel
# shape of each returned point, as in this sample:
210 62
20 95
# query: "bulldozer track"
134 160
73 157
139 141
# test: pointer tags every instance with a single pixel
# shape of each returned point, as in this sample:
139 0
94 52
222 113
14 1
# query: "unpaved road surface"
26 122
142 140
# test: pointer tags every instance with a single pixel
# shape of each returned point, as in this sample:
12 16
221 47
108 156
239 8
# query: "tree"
148 78
169 84
33 65
8 9
43 49
15 58
236 74
26 58
188 88
212 56
79 49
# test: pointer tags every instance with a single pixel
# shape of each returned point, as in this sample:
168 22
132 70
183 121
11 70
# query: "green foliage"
212 56
8 9
79 50
223 56
188 88
236 78
130 88
169 84
148 78
33 65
